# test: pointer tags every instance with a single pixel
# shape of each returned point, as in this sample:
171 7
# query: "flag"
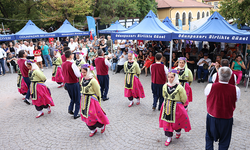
91 25
91 36
180 24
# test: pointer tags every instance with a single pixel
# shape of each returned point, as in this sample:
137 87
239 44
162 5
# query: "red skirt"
136 91
43 96
181 120
189 93
58 77
96 114
24 88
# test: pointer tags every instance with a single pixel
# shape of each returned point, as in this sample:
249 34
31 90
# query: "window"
198 15
189 17
207 13
177 17
216 5
209 3
203 14
183 18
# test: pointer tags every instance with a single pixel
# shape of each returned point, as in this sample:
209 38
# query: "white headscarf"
58 54
176 79
89 74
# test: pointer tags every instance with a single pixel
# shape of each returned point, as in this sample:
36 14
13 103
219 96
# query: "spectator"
188 49
52 48
5 48
190 63
2 60
11 48
17 49
46 57
174 60
237 65
73 47
122 45
140 59
141 46
116 45
115 58
38 58
103 46
123 58
203 65
96 43
233 58
221 103
214 68
205 49
59 46
149 61
109 41
11 60
91 55
30 49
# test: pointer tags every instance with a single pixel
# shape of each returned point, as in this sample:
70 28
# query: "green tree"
237 10
144 6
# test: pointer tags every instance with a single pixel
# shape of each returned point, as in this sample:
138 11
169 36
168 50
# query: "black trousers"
170 134
218 129
119 68
97 125
131 98
39 108
13 63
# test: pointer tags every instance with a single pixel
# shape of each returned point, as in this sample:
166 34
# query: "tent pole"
170 55
246 53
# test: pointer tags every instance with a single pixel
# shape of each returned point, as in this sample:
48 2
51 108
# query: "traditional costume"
91 111
71 75
21 85
158 78
80 61
133 87
186 78
102 68
173 115
57 70
40 93
25 73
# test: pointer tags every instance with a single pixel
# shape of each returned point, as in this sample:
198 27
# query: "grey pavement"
130 128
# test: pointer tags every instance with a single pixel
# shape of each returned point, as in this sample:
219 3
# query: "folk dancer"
57 69
173 115
91 111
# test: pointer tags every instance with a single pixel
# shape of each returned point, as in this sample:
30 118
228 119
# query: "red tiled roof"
179 4
210 0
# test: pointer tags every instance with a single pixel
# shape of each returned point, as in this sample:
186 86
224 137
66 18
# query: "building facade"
185 10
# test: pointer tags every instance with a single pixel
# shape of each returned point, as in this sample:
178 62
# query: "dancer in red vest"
102 68
159 74
24 71
233 79
221 103
71 74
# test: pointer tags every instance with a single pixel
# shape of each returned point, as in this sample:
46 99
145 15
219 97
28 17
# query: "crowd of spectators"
203 57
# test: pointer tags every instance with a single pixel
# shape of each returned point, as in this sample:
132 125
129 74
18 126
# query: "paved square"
130 128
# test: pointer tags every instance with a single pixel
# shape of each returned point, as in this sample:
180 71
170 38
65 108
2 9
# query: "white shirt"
215 76
209 86
2 53
165 68
30 49
123 60
107 63
121 45
85 51
75 69
207 60
72 46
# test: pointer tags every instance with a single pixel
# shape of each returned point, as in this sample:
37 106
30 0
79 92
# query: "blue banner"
91 25
180 24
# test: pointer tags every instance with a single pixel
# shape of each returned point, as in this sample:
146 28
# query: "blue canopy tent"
31 31
117 27
150 28
135 24
7 37
216 29
169 24
244 27
68 30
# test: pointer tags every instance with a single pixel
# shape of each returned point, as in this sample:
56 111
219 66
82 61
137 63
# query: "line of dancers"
86 90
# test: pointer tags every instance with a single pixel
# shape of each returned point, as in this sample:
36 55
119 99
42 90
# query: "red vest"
231 81
221 100
63 58
68 73
158 75
23 68
101 67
